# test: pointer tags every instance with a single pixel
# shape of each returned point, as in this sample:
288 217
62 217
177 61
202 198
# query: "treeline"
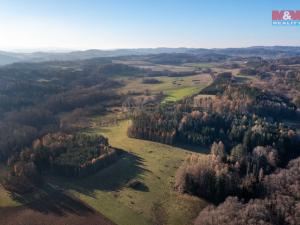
79 98
245 100
238 172
35 98
20 128
82 155
14 138
288 61
198 128
156 126
231 96
241 124
244 148
151 81
63 154
241 115
181 58
117 69
280 204
168 73
219 84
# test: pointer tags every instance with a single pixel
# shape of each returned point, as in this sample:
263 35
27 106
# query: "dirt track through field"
55 209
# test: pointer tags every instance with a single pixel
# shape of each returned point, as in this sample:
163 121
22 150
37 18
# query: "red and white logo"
286 15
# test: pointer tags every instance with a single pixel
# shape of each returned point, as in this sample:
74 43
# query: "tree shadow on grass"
188 147
138 186
192 148
112 178
53 201
142 187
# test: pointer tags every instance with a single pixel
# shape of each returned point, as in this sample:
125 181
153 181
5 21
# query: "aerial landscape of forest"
150 135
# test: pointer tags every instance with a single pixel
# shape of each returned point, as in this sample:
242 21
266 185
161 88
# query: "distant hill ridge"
263 51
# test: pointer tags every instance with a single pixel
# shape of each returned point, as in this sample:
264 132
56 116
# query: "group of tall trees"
35 98
71 155
39 102
241 115
157 126
279 204
248 140
246 100
220 174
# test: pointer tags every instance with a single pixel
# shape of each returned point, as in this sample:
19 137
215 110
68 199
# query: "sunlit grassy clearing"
175 88
152 163
201 65
167 83
5 198
177 94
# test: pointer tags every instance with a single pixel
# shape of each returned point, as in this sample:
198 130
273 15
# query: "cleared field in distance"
175 88
201 65
156 67
175 95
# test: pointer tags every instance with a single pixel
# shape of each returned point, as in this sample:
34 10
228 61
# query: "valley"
112 138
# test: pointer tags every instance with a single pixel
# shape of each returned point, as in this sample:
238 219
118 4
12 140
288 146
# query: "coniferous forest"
141 128
144 112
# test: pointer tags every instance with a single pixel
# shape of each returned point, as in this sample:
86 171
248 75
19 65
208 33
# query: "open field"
175 88
5 198
175 95
106 192
156 67
151 163
56 208
201 65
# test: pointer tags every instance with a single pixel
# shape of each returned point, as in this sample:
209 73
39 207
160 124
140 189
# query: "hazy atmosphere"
150 112
101 24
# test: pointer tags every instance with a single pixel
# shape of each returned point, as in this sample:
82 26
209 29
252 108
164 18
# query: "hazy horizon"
62 50
149 112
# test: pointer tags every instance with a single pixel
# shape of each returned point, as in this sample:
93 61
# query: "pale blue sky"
111 24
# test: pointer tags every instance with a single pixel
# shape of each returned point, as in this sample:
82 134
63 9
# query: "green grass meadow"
5 198
155 165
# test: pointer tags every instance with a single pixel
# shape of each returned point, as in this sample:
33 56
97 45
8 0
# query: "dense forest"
231 117
140 112
244 118
244 127
63 154
279 204
35 97
39 103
